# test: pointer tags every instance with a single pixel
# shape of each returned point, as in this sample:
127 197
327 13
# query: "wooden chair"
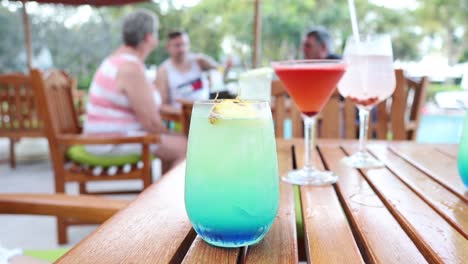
60 77
82 207
410 95
180 114
399 115
19 116
63 130
187 106
282 109
18 111
330 122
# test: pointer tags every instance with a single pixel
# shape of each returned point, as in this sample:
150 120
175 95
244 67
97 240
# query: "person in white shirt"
180 76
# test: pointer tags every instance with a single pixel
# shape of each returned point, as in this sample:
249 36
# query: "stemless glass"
369 79
231 179
310 83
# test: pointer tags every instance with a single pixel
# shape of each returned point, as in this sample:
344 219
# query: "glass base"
310 177
362 160
232 238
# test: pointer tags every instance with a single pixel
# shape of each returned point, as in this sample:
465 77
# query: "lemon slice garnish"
231 109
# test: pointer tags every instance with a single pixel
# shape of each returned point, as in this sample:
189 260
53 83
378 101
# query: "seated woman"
122 100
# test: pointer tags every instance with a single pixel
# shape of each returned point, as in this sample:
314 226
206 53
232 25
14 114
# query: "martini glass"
310 83
369 79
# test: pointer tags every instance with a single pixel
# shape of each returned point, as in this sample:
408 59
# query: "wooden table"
415 210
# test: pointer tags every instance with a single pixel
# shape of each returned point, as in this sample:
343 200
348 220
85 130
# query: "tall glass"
369 80
231 179
256 84
310 83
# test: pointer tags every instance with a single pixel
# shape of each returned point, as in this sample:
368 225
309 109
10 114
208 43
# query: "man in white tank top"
180 76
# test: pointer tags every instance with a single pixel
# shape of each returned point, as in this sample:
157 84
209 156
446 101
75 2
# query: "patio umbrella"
27 28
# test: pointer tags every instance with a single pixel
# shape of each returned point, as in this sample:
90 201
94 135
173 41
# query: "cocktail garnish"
230 108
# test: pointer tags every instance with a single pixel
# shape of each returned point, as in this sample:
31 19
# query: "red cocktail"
310 83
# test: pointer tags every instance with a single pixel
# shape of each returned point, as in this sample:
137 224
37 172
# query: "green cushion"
297 201
175 126
178 127
46 255
79 154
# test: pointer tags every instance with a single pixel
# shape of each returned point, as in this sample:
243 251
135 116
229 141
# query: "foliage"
437 87
464 57
9 48
446 19
80 48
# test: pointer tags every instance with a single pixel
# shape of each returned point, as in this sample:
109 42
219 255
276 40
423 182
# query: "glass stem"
309 140
363 128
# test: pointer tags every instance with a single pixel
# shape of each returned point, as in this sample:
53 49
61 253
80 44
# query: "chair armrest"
170 113
82 207
185 101
97 139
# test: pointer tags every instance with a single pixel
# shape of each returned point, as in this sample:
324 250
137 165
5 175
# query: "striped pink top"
108 109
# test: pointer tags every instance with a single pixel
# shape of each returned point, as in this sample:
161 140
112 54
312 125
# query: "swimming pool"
440 128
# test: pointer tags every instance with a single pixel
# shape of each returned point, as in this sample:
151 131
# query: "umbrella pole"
27 35
257 34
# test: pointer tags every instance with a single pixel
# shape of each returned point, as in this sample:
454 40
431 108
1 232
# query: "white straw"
354 22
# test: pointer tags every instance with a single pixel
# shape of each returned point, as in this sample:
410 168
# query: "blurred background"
430 38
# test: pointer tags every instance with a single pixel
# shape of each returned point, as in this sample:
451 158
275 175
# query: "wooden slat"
11 106
381 124
349 117
448 205
201 252
449 150
18 106
155 229
437 165
3 96
296 121
399 107
279 113
82 207
326 227
381 237
330 121
419 99
436 239
87 176
280 243
283 108
187 107
15 134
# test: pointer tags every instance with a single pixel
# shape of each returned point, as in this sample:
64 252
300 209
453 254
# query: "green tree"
446 19
12 41
81 47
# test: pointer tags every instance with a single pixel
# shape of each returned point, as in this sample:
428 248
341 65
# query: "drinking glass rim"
212 101
308 61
